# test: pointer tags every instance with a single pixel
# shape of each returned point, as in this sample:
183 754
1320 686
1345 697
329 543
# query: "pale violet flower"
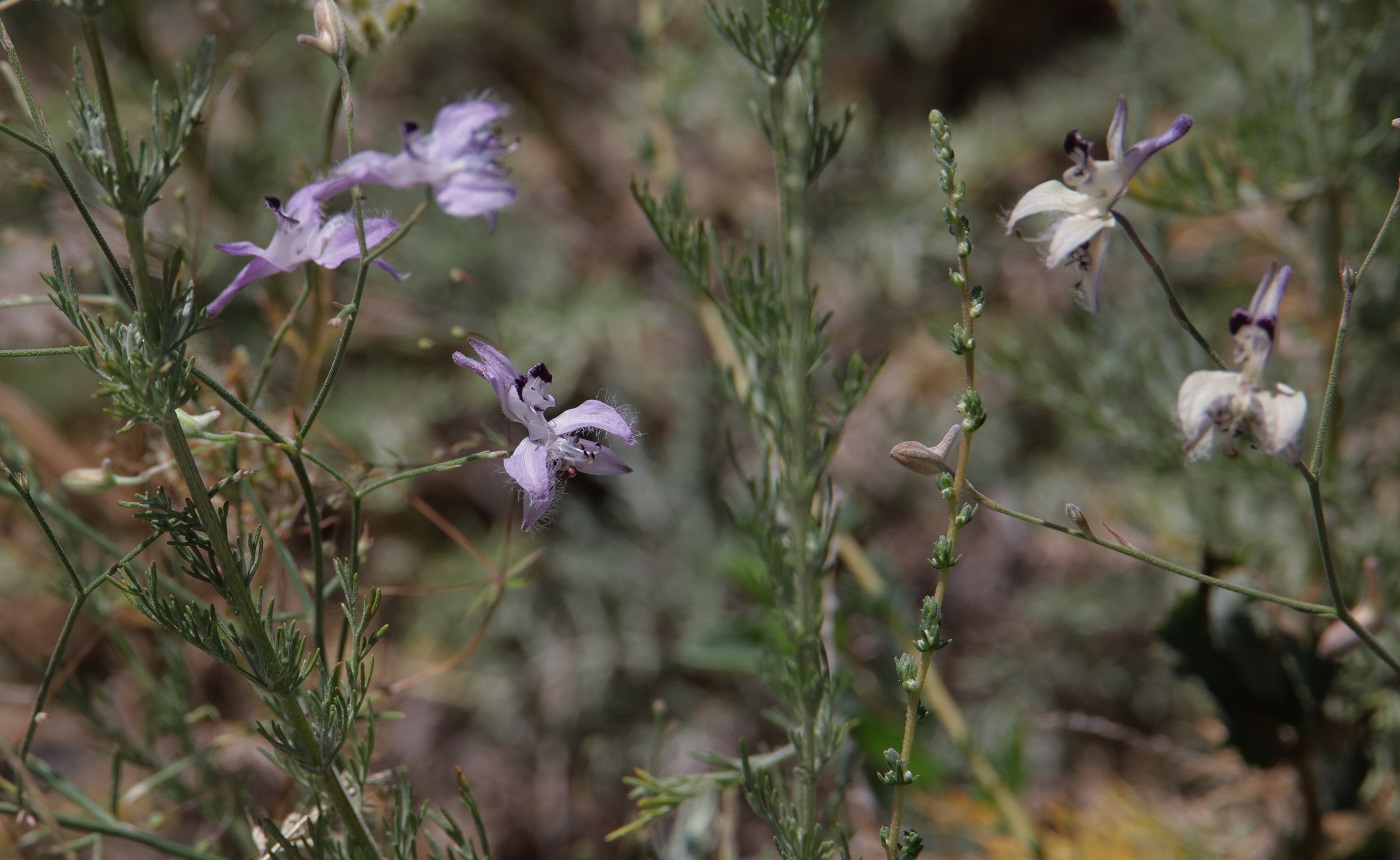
304 235
1081 206
1235 404
457 159
550 448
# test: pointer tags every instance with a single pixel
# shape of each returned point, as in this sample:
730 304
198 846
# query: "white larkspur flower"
553 447
1081 205
1238 403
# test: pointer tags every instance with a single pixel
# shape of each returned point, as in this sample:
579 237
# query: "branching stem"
1178 312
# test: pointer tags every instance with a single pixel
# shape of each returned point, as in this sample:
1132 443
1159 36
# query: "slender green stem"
1014 816
347 96
357 504
43 351
123 831
61 647
1324 418
1380 235
23 138
1177 310
245 608
278 336
1350 280
44 145
58 512
29 301
280 549
36 116
445 466
328 130
318 560
150 307
1312 474
303 454
1324 545
1132 552
798 483
238 405
352 310
21 487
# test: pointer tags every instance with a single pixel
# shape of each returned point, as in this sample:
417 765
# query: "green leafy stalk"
914 671
267 652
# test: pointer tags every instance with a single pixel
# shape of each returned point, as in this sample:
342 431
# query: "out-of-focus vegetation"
632 639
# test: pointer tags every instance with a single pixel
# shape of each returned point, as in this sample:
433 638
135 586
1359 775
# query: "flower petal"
1098 252
471 193
494 367
343 243
1071 232
1049 196
455 126
241 249
1279 413
1140 151
256 269
377 168
528 466
593 414
1116 130
393 273
597 459
534 509
1269 294
1198 404
306 203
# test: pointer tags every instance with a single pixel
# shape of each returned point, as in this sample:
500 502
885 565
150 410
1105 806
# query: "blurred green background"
631 641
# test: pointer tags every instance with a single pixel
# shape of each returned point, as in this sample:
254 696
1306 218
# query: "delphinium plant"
228 465
1230 402
793 401
1234 406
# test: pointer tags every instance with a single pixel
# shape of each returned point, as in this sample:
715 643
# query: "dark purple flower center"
275 204
1241 318
410 137
1076 142
539 372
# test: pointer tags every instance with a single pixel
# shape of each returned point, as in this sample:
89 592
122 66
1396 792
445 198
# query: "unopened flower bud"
87 482
330 30
918 457
194 425
1077 517
1338 638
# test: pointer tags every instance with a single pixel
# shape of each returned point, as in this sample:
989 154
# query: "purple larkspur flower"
552 447
304 235
1081 205
457 159
1239 403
